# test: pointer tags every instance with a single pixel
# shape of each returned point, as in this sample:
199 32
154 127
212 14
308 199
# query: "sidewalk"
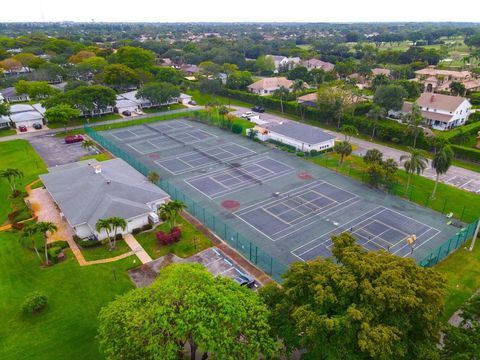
137 249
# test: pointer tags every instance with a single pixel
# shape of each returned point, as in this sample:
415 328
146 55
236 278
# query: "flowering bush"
167 239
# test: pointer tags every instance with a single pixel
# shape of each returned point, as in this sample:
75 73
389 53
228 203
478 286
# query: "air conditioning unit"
153 218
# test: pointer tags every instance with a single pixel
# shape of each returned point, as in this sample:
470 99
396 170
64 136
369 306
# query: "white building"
283 63
441 112
26 115
267 86
303 137
87 191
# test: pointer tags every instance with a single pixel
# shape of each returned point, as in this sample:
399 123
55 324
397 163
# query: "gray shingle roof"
84 196
301 132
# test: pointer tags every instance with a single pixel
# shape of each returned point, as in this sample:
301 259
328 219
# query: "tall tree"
373 156
348 131
159 93
265 65
105 225
390 97
117 223
62 114
343 148
4 109
29 232
414 120
185 310
34 89
457 88
375 113
282 94
134 57
441 162
415 162
118 76
45 228
153 177
92 99
360 305
334 103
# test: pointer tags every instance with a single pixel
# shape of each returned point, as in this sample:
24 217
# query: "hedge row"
386 130
466 153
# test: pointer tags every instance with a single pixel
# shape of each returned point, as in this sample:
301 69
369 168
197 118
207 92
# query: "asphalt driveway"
54 151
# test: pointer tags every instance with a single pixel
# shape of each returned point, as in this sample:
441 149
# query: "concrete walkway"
137 249
459 177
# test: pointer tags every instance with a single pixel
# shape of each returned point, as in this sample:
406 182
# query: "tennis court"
255 197
238 177
379 229
200 158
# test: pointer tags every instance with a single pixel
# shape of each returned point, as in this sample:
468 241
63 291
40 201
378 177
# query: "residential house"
435 80
381 71
267 86
129 101
441 112
26 115
303 137
308 99
87 191
318 64
10 95
283 63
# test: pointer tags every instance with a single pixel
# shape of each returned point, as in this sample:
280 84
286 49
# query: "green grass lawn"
465 205
18 154
7 132
99 157
68 326
83 120
462 269
103 251
184 248
164 108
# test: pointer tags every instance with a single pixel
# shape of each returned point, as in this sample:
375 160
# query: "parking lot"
54 151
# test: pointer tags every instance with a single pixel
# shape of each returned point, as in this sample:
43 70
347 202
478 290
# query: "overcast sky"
240 11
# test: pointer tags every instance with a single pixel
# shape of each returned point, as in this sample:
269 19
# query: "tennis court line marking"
436 232
331 231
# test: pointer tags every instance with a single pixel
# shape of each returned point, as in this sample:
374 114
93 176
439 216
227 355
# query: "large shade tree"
359 305
119 76
159 93
62 114
390 97
186 311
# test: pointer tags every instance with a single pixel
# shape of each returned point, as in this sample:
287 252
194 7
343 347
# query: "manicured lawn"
82 120
103 251
465 205
462 269
68 326
99 157
164 108
18 154
184 248
7 132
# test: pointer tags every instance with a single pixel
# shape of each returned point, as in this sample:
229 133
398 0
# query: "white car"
247 114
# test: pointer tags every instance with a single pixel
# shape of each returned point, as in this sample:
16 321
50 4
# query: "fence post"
256 254
463 212
475 234
250 250
411 193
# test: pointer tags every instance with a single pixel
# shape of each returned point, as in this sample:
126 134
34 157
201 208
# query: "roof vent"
97 169
109 182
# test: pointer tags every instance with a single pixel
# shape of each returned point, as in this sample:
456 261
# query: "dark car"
71 139
259 109
37 126
127 113
192 102
245 280
22 128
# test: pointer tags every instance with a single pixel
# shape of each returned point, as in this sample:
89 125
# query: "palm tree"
87 144
153 177
45 227
348 131
413 120
375 113
176 207
252 134
11 175
223 110
442 160
169 211
105 224
116 223
414 163
343 148
297 86
28 232
281 93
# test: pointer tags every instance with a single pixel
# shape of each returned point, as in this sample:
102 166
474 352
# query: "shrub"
119 237
89 243
301 154
17 226
13 215
167 239
466 153
53 253
62 244
136 231
237 129
314 153
76 238
146 227
34 302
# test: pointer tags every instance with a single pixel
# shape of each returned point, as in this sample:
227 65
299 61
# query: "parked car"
259 109
192 102
71 139
245 280
127 113
22 128
37 126
247 114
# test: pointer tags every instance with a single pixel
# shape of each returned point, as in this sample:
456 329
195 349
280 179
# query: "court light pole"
472 245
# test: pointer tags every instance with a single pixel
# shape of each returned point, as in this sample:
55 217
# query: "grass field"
68 326
165 108
17 154
184 248
83 120
463 275
99 157
103 251
463 204
7 132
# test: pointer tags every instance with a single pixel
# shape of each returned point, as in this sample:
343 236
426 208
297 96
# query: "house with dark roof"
87 191
10 95
303 137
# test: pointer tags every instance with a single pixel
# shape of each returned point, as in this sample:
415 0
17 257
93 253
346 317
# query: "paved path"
458 177
31 134
137 249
